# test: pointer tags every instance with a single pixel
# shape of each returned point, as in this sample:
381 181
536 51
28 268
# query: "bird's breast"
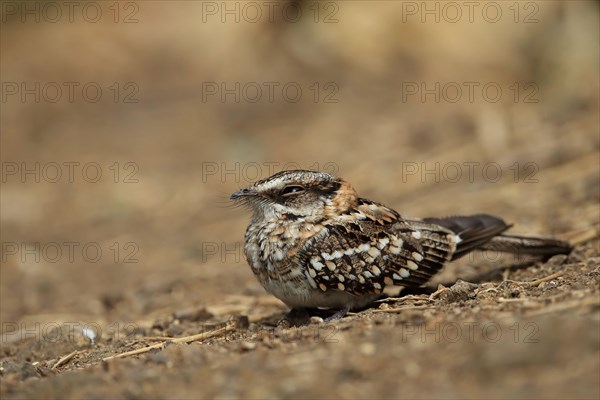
271 246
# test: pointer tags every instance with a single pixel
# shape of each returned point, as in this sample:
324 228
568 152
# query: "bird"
314 243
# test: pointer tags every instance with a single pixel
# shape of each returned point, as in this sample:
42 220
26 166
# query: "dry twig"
545 279
399 309
65 359
184 339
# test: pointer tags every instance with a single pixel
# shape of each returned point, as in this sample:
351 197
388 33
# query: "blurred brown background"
384 87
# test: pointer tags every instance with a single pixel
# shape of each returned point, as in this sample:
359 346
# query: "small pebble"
248 346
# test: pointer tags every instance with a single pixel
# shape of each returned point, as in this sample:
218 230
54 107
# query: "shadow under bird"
314 243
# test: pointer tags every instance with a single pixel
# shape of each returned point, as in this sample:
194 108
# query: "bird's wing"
473 231
371 247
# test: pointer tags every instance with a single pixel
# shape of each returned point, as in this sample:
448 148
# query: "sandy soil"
170 280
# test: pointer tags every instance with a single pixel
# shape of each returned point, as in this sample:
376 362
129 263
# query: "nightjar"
313 242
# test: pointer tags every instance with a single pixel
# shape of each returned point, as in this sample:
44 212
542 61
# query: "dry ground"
171 263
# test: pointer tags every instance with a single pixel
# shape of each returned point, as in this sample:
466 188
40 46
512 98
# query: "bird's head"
297 194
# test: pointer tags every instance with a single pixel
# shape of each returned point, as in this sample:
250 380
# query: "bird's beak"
242 193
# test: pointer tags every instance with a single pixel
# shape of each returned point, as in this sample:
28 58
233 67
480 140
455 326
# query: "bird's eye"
291 190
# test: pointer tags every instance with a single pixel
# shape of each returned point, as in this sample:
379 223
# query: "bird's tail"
534 246
485 232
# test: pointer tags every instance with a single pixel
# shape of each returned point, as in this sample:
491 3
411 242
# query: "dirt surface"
534 334
147 256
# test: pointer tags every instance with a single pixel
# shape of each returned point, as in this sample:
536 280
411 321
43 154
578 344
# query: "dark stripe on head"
329 188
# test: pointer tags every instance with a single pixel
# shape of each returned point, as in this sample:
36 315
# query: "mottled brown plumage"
313 242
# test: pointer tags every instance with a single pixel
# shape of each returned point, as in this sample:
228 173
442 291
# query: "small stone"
247 346
161 324
174 330
193 314
242 322
460 291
